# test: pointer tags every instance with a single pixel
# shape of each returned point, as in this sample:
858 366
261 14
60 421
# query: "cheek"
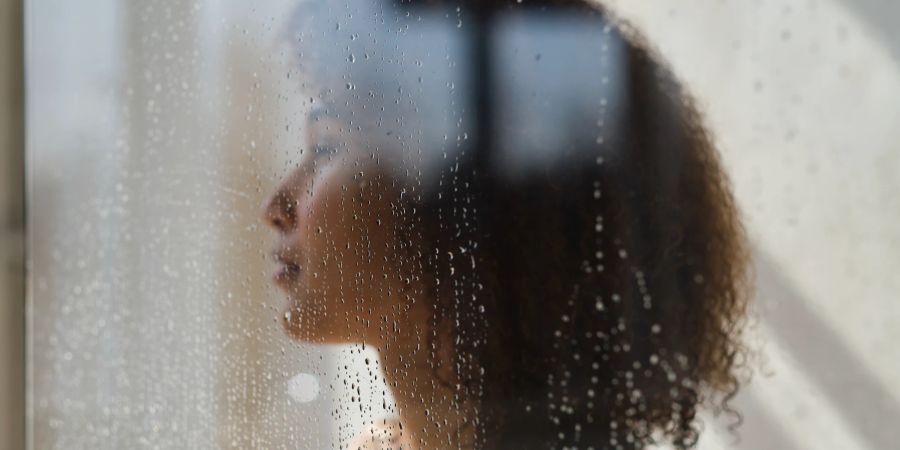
350 239
335 242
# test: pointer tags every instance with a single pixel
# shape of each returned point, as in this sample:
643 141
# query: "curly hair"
601 303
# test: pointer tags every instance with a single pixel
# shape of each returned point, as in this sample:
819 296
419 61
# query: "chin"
295 320
305 322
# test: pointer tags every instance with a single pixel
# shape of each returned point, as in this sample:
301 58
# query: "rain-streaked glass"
367 224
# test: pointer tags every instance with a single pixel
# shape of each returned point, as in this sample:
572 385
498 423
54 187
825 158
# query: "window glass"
447 224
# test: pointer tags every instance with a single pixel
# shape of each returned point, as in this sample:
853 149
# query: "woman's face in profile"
336 216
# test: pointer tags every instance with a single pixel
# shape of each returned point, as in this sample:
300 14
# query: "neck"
422 380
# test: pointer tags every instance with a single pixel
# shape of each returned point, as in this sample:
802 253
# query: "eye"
324 150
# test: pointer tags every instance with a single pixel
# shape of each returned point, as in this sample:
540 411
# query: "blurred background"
156 129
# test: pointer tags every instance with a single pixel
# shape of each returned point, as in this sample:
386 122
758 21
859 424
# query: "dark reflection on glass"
520 209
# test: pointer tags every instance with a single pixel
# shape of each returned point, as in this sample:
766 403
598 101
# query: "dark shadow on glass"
883 17
857 395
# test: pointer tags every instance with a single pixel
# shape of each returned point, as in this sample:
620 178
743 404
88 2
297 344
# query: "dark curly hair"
597 304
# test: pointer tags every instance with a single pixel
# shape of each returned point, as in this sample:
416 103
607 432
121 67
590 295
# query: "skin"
348 280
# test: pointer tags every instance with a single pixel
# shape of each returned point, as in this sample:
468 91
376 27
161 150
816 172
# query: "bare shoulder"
383 434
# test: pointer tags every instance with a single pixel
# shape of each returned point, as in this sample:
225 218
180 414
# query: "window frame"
13 291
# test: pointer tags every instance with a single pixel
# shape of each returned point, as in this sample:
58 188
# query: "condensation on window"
372 224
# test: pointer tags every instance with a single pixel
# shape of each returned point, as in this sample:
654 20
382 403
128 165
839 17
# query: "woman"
571 275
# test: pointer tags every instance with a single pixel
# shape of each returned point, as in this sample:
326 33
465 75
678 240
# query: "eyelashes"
324 150
325 136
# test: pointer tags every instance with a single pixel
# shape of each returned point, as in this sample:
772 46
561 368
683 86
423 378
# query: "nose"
281 211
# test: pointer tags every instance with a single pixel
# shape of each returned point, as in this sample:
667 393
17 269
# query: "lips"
289 269
287 273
